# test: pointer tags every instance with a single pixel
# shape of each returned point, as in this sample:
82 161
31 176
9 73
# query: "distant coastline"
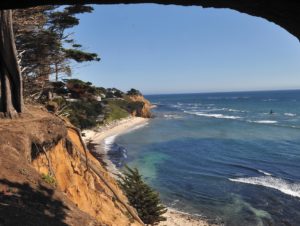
223 92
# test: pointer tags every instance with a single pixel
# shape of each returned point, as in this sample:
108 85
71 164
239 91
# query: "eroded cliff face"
47 176
143 108
75 178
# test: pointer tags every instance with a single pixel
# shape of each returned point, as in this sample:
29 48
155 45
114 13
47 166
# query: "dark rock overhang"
285 13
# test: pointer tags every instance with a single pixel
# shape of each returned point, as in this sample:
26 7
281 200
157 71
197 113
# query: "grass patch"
82 114
116 109
49 179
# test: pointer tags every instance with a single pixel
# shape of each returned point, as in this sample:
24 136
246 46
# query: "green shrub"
134 92
49 179
115 110
83 114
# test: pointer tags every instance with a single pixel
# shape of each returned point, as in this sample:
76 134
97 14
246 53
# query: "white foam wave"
212 109
178 106
284 186
267 100
194 107
235 110
169 116
264 172
108 142
193 104
289 114
228 98
264 121
220 116
137 127
222 109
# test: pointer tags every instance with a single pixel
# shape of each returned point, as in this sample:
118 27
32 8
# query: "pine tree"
142 197
46 49
46 46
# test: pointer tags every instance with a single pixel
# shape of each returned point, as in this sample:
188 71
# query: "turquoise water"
222 155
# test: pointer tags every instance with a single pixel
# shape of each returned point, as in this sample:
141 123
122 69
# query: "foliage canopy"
142 197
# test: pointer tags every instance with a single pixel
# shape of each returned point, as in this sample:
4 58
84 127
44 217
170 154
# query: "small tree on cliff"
142 197
134 92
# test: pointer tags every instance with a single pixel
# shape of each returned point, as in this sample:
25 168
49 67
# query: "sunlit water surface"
221 155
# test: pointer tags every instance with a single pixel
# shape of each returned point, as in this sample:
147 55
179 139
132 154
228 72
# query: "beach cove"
223 155
98 136
220 155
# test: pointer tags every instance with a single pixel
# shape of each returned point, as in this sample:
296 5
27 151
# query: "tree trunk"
10 74
56 72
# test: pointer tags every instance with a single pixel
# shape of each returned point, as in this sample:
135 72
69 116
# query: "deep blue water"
223 155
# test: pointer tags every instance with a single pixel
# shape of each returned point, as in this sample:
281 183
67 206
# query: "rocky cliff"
48 176
142 106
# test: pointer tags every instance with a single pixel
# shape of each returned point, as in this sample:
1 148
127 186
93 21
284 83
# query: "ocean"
232 157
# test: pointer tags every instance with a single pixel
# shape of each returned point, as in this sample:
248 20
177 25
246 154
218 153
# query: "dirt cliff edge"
46 176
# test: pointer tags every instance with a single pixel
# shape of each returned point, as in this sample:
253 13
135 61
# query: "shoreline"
179 218
96 138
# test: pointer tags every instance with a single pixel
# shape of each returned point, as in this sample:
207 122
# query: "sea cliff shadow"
20 204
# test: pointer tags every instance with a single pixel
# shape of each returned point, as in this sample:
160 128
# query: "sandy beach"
177 218
115 128
96 138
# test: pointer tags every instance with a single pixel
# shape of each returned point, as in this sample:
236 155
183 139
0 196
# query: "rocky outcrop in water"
142 106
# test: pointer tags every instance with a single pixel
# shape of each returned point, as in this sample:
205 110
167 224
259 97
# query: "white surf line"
292 189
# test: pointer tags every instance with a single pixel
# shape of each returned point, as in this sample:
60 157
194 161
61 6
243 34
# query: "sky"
172 49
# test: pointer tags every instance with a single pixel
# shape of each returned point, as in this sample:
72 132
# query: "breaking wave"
292 189
117 154
220 116
235 110
170 116
264 121
270 99
108 142
289 114
264 172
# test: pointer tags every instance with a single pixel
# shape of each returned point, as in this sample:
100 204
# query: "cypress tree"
142 197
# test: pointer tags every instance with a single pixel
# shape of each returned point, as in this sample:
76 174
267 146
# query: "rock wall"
143 106
25 197
284 13
47 176
81 185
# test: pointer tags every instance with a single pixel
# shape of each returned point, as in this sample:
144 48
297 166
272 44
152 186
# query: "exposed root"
98 172
51 172
79 135
9 115
127 207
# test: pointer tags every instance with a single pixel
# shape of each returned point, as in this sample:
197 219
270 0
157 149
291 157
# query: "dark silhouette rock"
284 13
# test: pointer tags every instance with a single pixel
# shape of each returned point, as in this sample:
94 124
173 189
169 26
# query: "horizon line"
212 92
